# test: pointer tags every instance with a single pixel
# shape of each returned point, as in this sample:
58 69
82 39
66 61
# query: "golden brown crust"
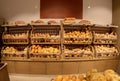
52 22
39 21
109 71
69 20
86 22
11 23
19 22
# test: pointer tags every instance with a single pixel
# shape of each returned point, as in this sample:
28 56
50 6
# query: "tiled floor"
28 77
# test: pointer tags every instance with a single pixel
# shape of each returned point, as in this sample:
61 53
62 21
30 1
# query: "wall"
61 67
27 10
116 20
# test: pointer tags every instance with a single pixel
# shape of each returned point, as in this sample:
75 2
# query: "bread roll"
59 78
98 77
109 71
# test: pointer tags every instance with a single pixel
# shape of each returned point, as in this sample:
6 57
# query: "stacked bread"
80 50
41 35
12 50
78 37
106 49
70 78
78 34
8 50
15 36
105 36
92 75
112 36
44 35
44 49
107 75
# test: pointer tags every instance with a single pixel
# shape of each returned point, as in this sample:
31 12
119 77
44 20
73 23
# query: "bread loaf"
70 20
19 22
86 22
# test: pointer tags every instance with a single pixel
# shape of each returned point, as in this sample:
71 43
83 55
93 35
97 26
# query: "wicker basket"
77 54
10 38
44 56
76 40
15 55
107 55
38 37
104 40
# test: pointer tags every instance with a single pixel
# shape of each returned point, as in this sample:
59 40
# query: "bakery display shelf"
14 52
75 25
105 26
15 37
44 24
18 26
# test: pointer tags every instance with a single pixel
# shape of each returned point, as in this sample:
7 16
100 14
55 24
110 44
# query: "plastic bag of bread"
86 22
